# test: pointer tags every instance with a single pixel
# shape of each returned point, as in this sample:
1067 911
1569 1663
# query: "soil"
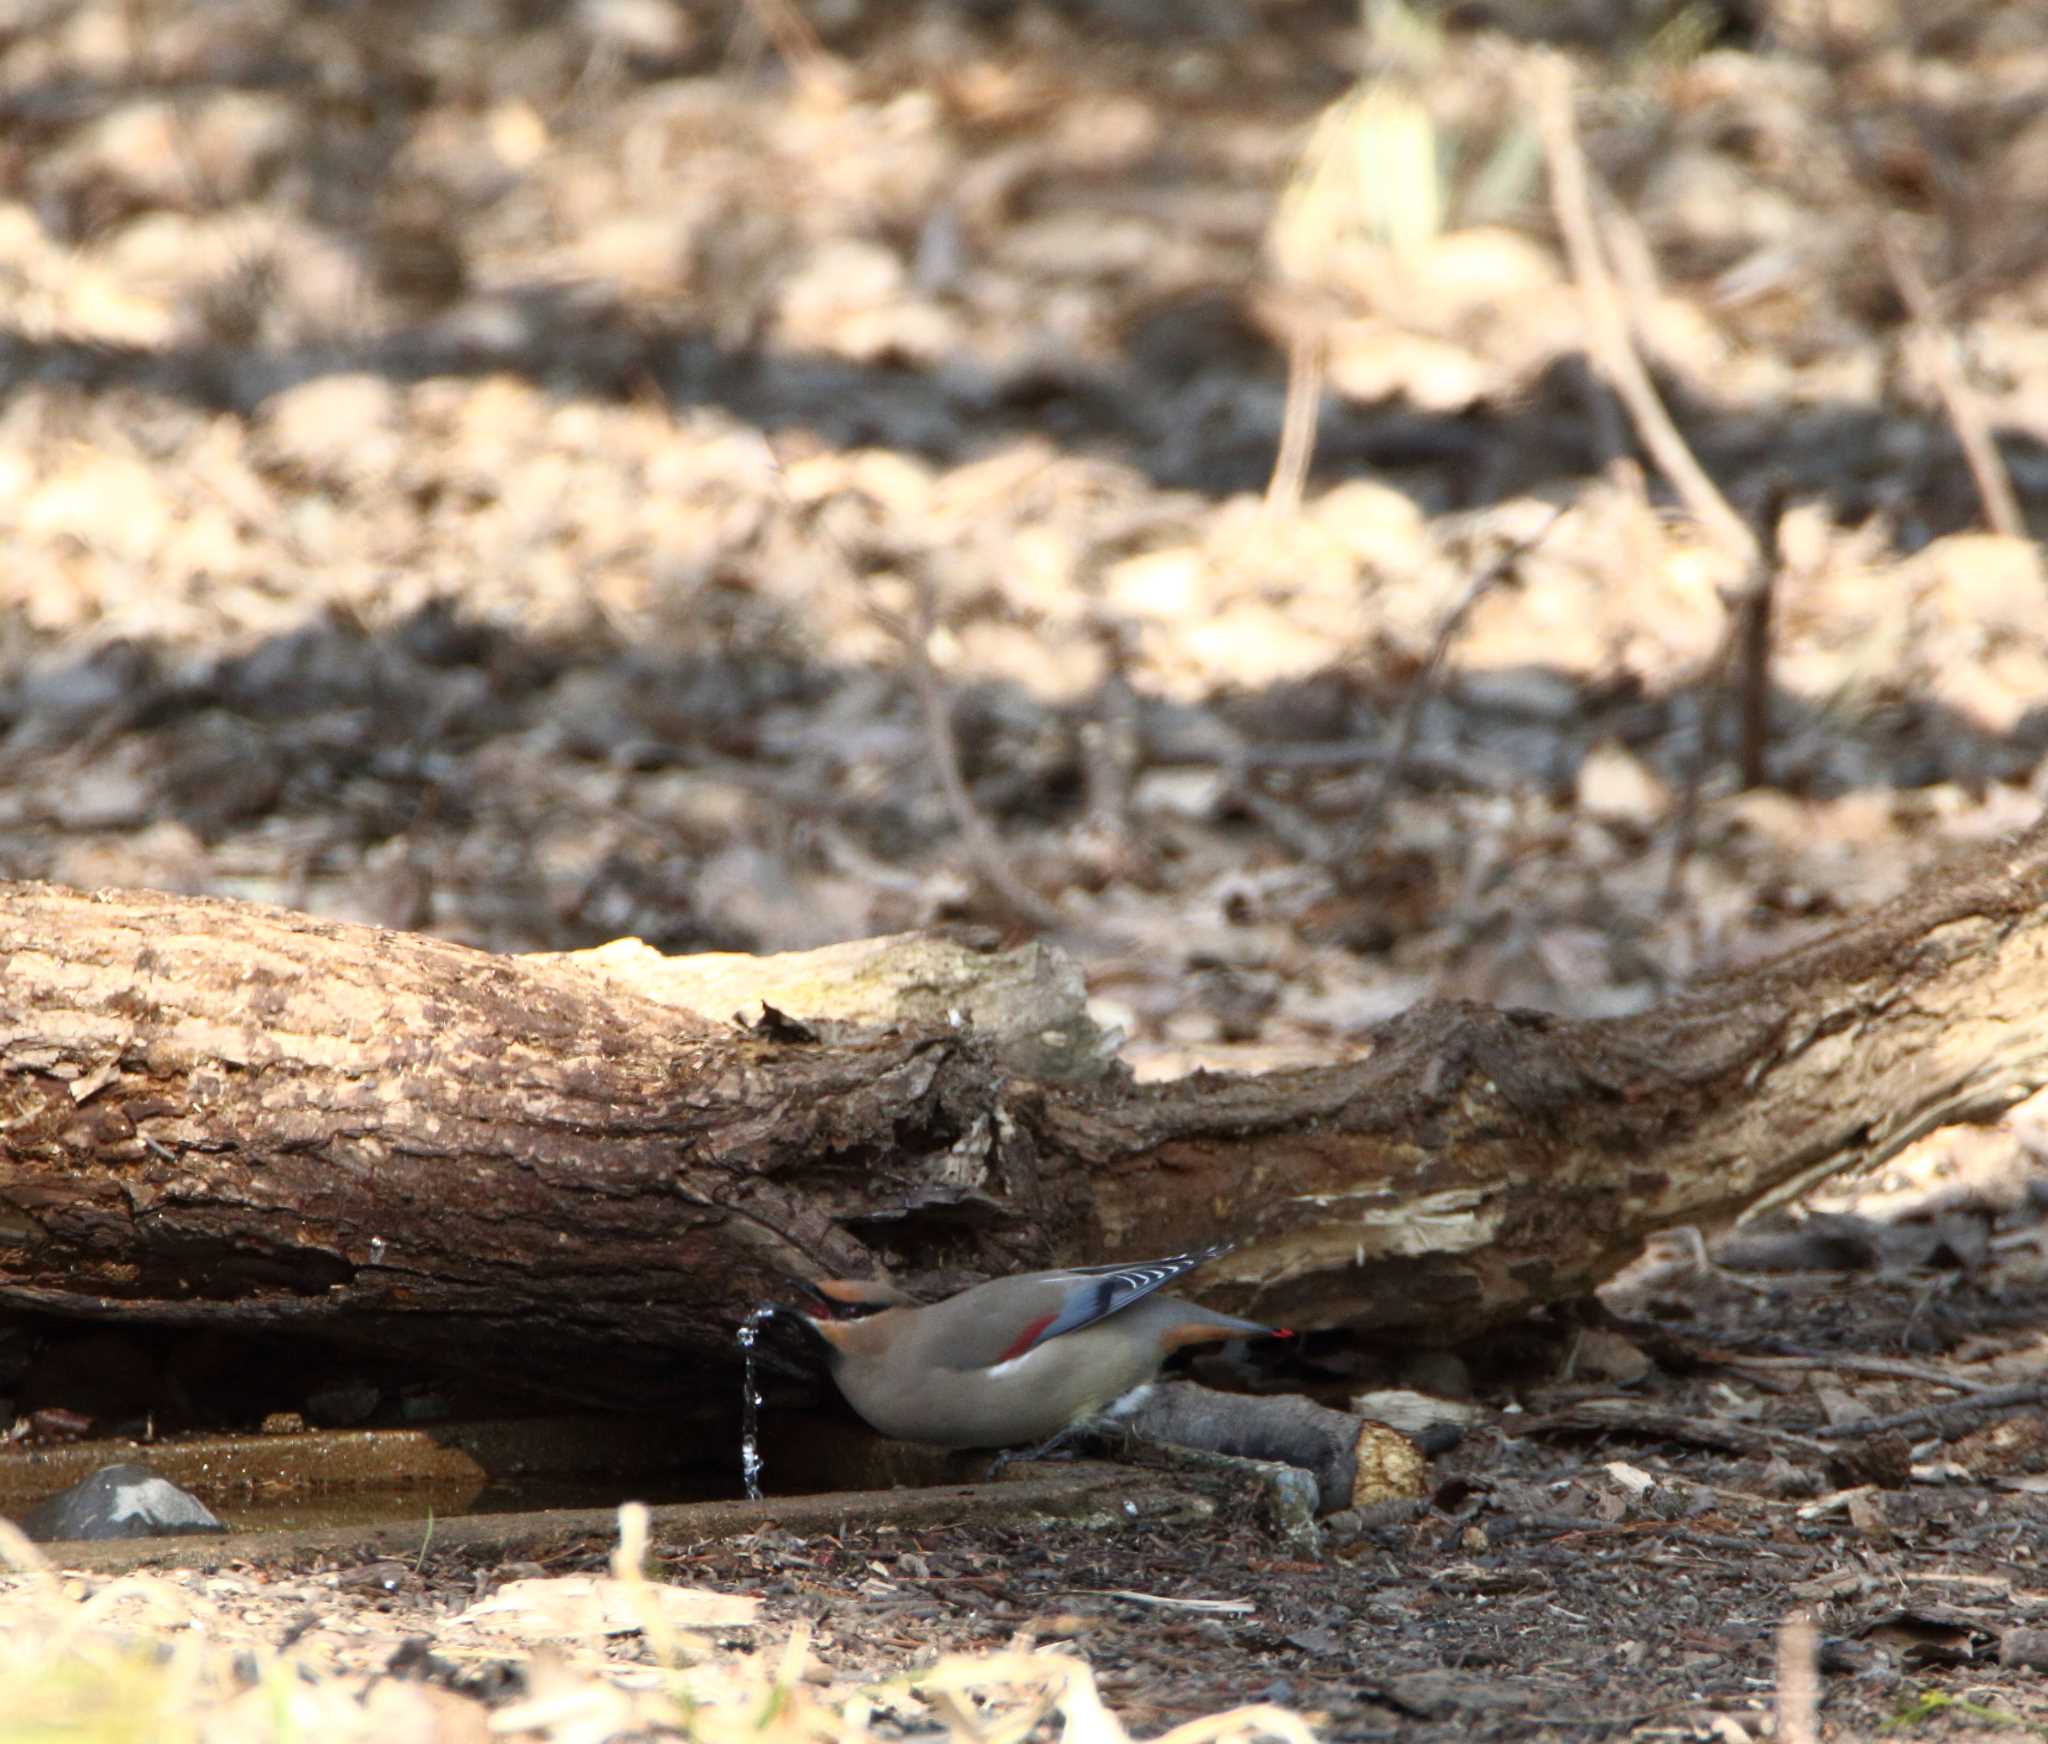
1615 1547
541 476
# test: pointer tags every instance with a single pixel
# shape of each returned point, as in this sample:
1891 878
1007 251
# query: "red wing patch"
1028 1338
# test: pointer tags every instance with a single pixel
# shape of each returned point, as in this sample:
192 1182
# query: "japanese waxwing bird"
1017 1361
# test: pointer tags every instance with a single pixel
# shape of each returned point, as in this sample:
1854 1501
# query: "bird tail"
1198 1325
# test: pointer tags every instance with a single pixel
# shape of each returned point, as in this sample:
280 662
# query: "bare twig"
1965 407
1113 743
816 73
1617 1416
1752 630
1685 822
1746 648
1289 825
1614 353
1306 352
1843 1362
1941 1418
1423 684
983 847
1613 346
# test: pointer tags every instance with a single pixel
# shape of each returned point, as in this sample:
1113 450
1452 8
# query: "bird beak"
852 1298
816 1303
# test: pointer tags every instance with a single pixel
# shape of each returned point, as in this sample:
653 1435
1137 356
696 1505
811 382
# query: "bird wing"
1093 1293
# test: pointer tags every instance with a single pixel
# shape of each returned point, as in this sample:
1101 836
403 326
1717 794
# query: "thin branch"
1113 742
1618 1416
1745 649
1964 405
1943 1417
1752 630
1823 1361
1423 685
818 76
984 848
1613 346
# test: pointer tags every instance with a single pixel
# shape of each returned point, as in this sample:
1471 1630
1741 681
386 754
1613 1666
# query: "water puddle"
408 1477
356 1477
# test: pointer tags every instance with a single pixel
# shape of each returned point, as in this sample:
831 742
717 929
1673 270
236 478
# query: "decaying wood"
228 1115
1355 1464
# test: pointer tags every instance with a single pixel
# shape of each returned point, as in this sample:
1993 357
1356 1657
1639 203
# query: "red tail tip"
1281 1332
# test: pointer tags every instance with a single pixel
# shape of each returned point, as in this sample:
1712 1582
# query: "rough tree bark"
578 1173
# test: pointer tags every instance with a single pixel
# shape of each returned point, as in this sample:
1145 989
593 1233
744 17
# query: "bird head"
840 1306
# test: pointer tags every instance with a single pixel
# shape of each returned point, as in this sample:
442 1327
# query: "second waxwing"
1017 1361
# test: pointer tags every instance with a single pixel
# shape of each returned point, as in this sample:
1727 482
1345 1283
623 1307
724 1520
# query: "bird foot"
1060 1446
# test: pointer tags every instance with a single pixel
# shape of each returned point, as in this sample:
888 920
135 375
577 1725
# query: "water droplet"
748 1336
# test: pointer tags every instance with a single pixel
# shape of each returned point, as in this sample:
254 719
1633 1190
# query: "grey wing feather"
1111 1289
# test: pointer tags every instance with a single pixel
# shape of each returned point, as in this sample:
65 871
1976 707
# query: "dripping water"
750 1399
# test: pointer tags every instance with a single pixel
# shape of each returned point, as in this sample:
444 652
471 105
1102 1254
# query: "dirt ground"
542 475
1625 1582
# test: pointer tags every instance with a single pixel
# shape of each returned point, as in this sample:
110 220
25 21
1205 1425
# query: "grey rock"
119 1501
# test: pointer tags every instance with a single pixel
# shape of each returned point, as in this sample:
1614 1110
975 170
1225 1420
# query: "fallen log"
1355 1463
577 1173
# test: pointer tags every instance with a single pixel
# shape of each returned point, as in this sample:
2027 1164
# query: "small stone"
119 1501
1601 1355
1884 1460
343 1404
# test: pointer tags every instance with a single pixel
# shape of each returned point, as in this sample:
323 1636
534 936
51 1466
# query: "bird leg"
1060 1443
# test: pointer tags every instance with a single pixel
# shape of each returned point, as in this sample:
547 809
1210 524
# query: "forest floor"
542 477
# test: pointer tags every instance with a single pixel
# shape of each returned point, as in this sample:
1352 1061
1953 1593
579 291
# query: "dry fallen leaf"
582 1605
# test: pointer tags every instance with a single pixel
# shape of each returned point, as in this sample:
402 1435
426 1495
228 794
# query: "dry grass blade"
17 1551
1306 350
1163 1601
1798 1682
